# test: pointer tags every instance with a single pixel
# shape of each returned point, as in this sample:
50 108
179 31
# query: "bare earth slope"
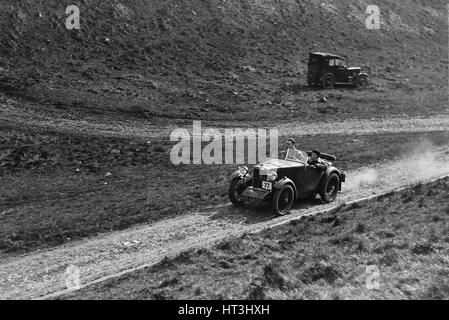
220 59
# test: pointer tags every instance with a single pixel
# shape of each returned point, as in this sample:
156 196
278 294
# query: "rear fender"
281 183
327 74
327 174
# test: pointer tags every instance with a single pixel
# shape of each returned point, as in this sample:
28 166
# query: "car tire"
328 82
329 189
283 200
235 189
361 82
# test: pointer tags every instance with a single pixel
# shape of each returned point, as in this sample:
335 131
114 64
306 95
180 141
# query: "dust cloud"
423 161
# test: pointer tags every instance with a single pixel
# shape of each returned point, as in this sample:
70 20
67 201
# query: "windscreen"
296 155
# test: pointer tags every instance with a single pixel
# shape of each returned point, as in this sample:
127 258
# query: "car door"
332 68
341 71
300 178
295 173
312 179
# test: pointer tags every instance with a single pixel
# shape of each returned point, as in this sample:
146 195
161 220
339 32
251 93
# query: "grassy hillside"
206 59
405 235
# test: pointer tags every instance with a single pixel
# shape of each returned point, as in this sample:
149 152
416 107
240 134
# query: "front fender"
361 75
237 174
281 183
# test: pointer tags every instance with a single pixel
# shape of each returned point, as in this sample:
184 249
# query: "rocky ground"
222 60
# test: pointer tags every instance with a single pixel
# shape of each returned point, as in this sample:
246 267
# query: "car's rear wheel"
328 82
235 192
283 200
329 189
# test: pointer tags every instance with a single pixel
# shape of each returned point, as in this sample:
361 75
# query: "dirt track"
43 273
11 112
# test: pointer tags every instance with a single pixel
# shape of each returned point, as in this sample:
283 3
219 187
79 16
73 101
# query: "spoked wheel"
283 200
328 82
330 188
235 192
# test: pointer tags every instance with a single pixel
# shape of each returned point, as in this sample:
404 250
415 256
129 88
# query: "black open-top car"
327 70
284 181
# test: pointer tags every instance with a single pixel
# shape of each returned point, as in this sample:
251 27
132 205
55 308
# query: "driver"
292 153
315 161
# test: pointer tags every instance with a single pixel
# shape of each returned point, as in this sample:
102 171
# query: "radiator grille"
257 178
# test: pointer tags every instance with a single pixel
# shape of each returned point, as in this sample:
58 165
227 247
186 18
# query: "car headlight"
272 176
244 170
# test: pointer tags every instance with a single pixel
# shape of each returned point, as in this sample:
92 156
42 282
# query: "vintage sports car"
283 181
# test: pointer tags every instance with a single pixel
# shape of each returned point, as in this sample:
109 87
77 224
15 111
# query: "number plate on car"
267 185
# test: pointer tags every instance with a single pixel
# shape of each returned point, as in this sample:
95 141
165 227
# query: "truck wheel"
328 82
329 189
283 200
235 190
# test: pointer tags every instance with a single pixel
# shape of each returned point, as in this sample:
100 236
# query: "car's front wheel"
361 82
283 200
329 189
235 192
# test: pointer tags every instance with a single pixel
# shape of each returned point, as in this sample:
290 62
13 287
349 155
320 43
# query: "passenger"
315 161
